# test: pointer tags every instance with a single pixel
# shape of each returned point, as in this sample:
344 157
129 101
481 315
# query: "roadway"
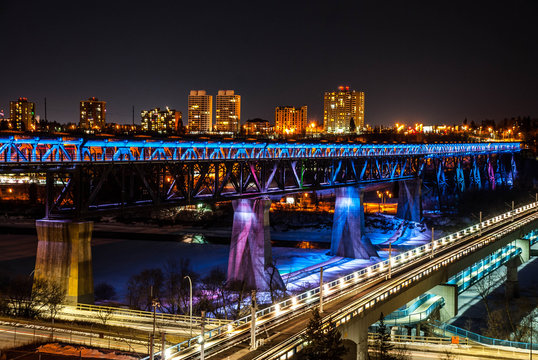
357 294
16 334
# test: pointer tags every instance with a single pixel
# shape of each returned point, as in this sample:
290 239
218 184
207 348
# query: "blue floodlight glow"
37 150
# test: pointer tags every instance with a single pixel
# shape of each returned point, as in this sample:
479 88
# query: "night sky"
432 62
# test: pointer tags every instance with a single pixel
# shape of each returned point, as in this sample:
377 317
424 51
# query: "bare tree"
54 298
139 288
105 314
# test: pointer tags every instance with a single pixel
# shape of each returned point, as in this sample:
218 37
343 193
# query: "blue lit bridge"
85 177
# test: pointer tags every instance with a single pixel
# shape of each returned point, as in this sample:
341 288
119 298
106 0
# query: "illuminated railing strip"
36 150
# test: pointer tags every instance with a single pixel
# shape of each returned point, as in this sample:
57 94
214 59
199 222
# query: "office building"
340 107
200 111
290 120
22 115
160 121
227 112
92 114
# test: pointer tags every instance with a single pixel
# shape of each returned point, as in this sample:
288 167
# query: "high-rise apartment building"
228 112
200 111
22 114
92 114
161 121
339 107
290 120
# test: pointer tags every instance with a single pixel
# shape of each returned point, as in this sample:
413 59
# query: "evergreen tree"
382 345
322 344
352 126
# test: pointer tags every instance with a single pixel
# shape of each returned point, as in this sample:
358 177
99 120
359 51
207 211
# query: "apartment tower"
339 107
200 111
22 114
92 114
228 112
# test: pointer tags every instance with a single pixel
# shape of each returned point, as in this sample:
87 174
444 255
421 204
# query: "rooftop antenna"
133 114
46 109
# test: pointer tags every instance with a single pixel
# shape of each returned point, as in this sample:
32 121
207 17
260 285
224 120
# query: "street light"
190 303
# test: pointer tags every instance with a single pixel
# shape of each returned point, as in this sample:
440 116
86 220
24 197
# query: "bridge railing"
485 340
37 150
310 297
147 315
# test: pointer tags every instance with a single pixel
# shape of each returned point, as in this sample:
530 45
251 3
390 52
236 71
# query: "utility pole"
433 238
253 307
390 259
480 223
203 336
163 340
321 290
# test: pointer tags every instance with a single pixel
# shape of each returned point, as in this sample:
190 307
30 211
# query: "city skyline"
427 63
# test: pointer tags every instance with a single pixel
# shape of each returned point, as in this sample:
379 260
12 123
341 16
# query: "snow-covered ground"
115 261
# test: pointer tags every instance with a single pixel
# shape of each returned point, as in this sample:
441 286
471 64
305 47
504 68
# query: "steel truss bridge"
86 177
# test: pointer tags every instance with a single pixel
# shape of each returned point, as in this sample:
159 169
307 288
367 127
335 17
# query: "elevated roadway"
355 301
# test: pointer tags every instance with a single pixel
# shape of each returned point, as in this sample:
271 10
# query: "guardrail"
416 317
148 315
481 338
309 297
436 340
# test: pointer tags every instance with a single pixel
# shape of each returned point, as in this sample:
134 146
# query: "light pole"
202 355
190 302
154 304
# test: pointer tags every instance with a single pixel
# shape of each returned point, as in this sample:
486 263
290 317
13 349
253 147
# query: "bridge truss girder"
92 188
451 175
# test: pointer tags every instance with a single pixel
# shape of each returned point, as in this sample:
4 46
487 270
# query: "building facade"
165 121
22 115
290 120
200 111
227 112
92 114
340 107
257 127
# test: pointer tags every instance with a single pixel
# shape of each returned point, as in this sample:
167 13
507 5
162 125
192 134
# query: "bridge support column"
357 331
511 286
410 200
449 292
64 255
348 238
251 261
525 246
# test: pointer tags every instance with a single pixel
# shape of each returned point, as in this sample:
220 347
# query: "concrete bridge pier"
511 285
356 332
449 292
64 256
348 238
250 260
410 200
